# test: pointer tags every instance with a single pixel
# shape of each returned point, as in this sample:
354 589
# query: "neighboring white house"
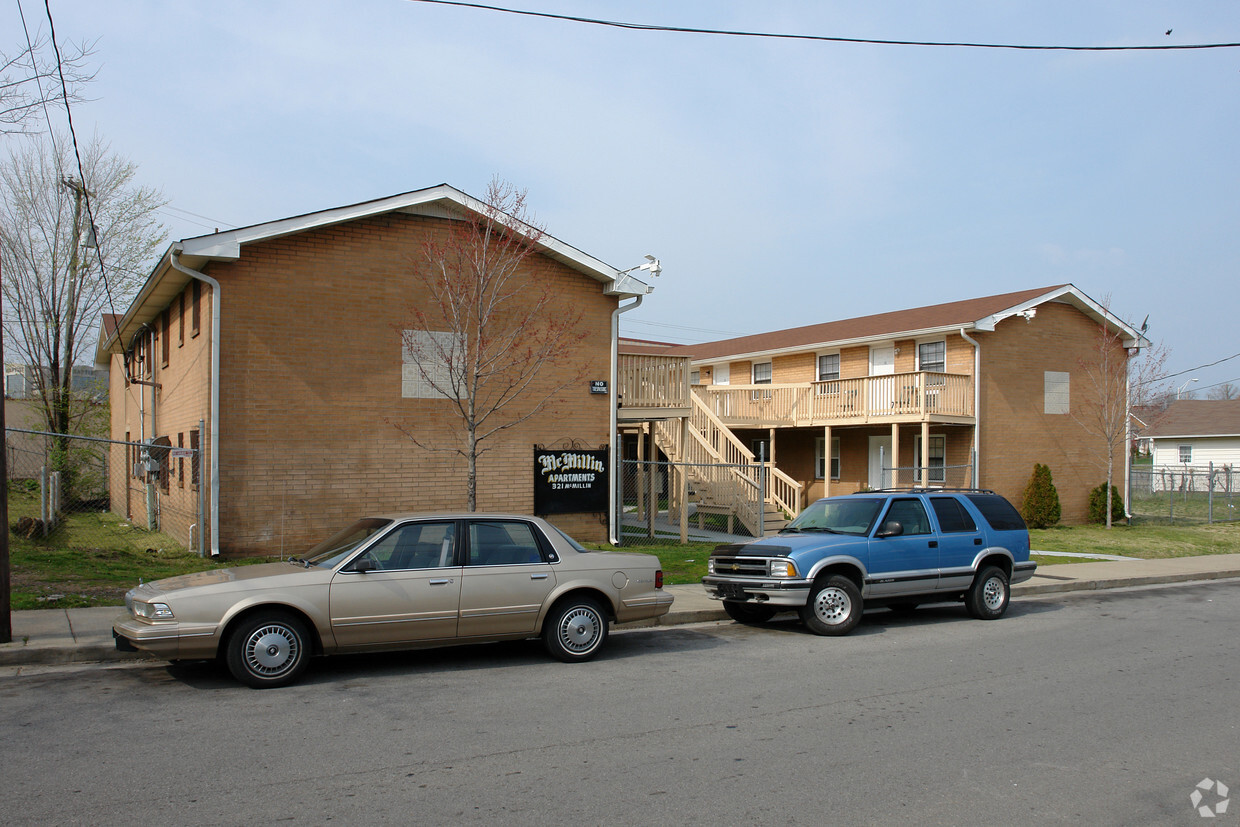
1196 433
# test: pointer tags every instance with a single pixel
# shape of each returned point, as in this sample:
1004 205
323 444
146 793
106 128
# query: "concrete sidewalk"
59 636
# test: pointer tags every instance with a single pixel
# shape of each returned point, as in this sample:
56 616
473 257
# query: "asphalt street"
1098 707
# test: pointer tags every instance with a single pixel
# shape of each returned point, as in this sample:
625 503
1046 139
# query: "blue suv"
877 548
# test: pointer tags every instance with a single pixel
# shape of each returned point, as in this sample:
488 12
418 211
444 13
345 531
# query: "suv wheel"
834 606
987 598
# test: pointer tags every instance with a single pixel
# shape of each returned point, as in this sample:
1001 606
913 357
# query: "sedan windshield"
842 516
332 551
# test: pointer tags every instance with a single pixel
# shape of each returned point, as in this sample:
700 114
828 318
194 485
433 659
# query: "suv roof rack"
924 490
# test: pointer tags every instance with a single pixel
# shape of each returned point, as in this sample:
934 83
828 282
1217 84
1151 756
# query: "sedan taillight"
658 579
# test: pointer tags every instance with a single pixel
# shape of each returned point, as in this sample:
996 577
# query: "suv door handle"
934 544
977 541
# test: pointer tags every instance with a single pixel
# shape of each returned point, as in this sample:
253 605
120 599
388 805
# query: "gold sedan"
397 582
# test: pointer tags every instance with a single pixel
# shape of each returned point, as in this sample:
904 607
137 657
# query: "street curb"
1121 583
63 655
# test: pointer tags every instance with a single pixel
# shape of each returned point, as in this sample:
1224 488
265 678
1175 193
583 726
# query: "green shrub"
1040 507
1098 505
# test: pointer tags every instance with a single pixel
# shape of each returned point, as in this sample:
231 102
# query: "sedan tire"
268 649
575 629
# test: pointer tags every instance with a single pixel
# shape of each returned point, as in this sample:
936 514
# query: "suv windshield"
332 551
850 516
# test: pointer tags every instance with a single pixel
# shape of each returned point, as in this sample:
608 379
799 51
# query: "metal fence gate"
147 495
719 502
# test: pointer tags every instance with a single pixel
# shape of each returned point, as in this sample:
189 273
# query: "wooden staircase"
725 476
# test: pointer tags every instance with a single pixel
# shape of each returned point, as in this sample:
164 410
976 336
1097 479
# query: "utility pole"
6 603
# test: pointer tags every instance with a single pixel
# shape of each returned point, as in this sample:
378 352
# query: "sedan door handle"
439 582
538 577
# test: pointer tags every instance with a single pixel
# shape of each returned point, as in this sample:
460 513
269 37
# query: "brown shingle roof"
1198 417
899 321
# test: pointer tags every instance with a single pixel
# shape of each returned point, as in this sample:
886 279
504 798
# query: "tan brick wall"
794 368
1015 432
311 391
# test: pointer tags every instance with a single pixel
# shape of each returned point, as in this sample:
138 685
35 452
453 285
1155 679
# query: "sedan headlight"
152 611
783 568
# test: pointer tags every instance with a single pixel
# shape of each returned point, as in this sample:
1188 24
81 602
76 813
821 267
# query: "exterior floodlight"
652 264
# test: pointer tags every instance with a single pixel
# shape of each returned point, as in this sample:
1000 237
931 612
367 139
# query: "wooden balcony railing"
901 397
653 381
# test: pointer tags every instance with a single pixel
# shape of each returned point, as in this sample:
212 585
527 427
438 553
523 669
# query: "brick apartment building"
276 350
967 393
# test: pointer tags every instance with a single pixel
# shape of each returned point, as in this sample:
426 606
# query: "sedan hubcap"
832 605
579 630
271 649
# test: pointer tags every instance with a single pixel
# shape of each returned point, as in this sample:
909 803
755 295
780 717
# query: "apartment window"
196 307
938 459
762 373
1186 453
828 367
180 462
819 458
1055 385
165 336
181 319
196 460
695 377
932 356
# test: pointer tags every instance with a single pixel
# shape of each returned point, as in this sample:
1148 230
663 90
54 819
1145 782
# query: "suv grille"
741 566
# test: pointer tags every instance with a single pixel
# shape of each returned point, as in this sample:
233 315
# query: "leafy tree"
1040 506
1100 499
490 334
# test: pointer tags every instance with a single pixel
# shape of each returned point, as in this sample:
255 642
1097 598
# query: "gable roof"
1197 417
980 314
442 201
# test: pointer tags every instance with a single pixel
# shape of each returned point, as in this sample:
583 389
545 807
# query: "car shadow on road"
630 643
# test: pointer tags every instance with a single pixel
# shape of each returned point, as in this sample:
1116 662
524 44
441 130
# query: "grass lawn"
91 559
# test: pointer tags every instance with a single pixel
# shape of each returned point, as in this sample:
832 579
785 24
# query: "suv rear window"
998 512
951 514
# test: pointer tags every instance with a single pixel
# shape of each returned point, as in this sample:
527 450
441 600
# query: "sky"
780 182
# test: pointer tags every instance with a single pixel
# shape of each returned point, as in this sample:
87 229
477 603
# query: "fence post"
1210 495
762 489
43 497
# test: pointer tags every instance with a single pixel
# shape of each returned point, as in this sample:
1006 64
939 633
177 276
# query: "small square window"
762 373
1186 453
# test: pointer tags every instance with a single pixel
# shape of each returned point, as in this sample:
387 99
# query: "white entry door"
880 455
882 363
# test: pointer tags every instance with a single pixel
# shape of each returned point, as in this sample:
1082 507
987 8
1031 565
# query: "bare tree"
1103 410
1226 390
490 338
31 79
54 290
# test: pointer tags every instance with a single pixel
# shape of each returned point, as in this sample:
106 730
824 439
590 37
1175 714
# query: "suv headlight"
783 568
152 611
710 565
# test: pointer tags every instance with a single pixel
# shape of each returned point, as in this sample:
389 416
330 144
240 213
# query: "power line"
649 27
1201 367
685 327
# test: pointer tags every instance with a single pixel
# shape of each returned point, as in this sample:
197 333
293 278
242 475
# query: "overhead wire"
649 27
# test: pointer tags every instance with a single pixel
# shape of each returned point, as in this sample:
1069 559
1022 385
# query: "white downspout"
215 393
613 429
977 407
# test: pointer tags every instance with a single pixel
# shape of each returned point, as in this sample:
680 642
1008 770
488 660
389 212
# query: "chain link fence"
719 502
92 492
935 476
1185 493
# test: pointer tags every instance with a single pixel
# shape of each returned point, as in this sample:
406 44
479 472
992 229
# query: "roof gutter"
977 406
613 521
215 391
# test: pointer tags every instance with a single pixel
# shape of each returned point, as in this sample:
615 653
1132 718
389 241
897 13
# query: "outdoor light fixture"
652 265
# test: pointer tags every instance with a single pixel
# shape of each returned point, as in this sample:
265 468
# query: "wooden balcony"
898 398
653 387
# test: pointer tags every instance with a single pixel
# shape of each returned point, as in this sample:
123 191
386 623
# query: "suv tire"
748 613
988 597
834 606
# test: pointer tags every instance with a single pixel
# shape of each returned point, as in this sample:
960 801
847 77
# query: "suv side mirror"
891 528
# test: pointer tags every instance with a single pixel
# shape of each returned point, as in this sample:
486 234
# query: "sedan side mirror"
363 565
891 528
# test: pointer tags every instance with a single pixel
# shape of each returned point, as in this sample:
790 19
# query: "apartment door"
882 364
880 455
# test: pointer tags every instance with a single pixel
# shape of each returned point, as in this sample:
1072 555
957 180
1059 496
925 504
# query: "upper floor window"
828 367
932 356
1186 453
762 373
425 366
1055 386
695 377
